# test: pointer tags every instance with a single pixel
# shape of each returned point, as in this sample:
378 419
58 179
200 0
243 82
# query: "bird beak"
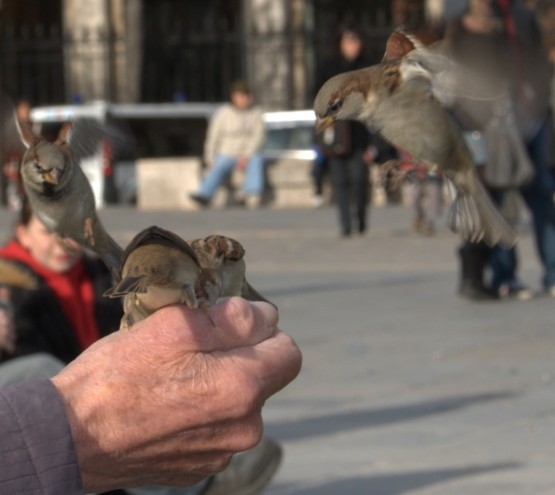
322 123
52 177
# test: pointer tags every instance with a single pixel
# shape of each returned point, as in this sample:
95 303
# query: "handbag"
335 140
508 164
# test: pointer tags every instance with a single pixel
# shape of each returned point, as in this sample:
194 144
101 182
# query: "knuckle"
248 434
241 312
218 464
245 394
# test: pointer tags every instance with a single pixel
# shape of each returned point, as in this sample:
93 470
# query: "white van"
151 130
158 130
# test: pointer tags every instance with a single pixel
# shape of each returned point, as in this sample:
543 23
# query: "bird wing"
158 235
88 135
12 136
127 285
449 80
251 294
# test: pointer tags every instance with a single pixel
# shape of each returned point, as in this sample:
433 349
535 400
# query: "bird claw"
88 231
392 175
204 306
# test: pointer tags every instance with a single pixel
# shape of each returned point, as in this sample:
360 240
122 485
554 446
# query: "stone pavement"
405 387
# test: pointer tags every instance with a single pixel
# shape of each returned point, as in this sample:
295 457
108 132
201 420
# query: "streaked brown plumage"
222 258
62 198
395 99
158 269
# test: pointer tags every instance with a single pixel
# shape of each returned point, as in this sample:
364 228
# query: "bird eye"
37 166
335 106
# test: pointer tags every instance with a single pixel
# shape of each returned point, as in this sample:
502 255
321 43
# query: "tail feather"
475 217
250 293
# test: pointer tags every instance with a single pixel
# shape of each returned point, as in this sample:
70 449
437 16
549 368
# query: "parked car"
289 134
162 130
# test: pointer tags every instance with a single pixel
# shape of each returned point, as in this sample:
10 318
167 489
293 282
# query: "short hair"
25 211
241 86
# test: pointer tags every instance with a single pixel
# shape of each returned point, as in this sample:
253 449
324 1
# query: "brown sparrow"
223 260
61 196
158 269
395 99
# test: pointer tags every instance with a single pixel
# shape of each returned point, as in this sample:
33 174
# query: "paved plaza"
405 388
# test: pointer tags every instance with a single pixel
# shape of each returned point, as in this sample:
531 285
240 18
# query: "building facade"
162 50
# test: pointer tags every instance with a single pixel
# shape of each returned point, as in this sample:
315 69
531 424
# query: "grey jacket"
37 454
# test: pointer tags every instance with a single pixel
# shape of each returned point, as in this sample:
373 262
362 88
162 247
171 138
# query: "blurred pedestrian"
498 43
234 138
347 145
12 158
425 192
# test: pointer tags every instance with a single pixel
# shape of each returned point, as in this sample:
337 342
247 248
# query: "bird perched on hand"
61 196
395 99
223 258
158 269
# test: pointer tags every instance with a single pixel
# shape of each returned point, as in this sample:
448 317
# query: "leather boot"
474 258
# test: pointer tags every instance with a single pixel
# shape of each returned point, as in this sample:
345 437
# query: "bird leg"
88 231
392 174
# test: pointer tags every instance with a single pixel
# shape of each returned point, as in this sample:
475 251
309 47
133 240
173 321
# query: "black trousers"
351 189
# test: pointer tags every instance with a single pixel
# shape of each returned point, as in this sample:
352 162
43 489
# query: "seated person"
234 139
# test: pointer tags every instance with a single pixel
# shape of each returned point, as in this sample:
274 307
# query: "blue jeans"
223 167
30 367
539 197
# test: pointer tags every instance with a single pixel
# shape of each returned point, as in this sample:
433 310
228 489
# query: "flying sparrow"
61 196
223 260
158 269
395 98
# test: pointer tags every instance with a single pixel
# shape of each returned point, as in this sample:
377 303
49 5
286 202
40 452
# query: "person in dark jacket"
348 146
499 43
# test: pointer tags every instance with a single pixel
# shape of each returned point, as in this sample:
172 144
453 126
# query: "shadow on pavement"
368 418
397 483
391 280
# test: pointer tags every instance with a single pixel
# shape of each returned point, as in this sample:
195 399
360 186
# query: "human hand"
169 402
370 155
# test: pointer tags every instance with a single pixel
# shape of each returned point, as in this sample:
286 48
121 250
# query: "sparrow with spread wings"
395 98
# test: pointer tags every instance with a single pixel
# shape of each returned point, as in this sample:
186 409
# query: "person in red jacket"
53 293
